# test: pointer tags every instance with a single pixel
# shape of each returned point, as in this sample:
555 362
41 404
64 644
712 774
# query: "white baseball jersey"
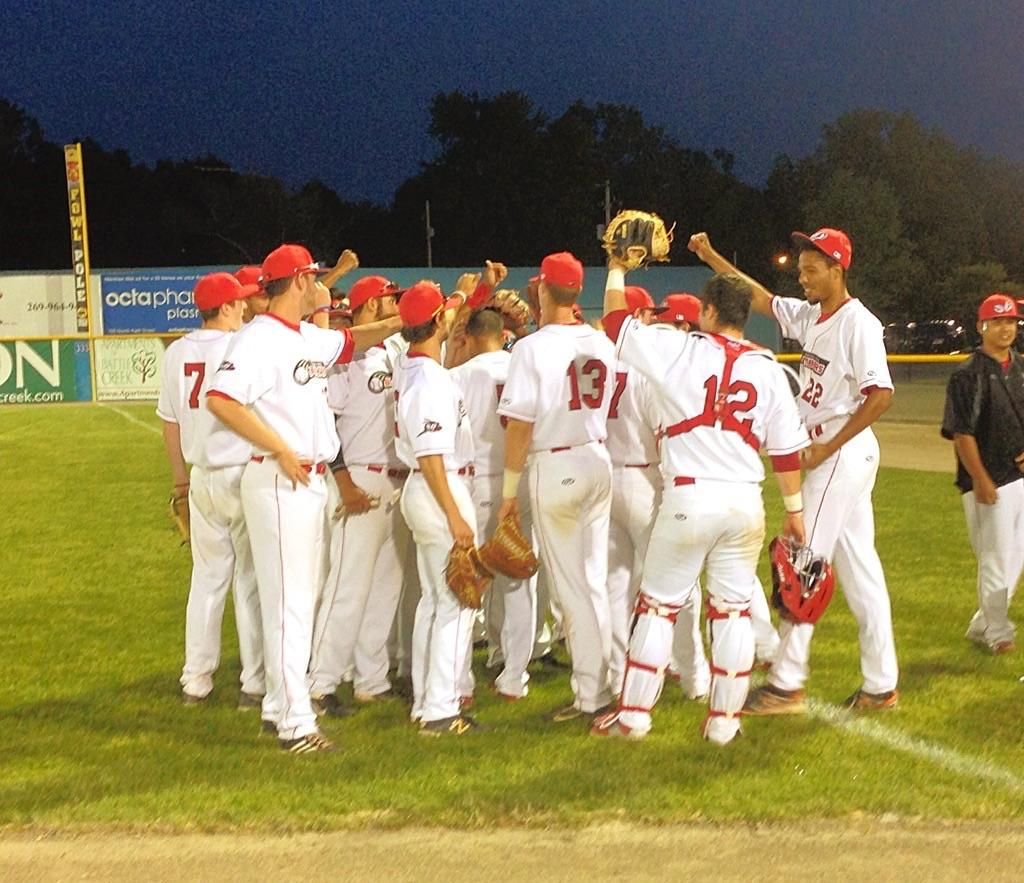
632 420
280 370
561 380
723 401
360 393
430 415
189 365
482 381
843 355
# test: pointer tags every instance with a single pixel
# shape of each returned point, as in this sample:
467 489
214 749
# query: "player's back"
482 381
723 402
561 380
189 365
359 393
632 420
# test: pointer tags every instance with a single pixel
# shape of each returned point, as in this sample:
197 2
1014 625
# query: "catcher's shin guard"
650 648
731 635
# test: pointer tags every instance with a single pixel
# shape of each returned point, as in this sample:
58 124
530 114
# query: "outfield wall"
135 312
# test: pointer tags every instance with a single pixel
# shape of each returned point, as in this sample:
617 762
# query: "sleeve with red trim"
428 411
247 371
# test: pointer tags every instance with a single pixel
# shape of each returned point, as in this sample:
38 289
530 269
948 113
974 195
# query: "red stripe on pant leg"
637 708
280 557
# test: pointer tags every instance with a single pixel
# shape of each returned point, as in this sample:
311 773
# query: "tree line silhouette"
934 225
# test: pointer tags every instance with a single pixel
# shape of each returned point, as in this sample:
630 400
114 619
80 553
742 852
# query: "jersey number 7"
198 370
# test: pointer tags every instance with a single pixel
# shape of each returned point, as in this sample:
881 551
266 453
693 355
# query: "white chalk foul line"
130 418
947 758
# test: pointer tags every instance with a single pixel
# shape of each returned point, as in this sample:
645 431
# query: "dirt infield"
914 446
858 849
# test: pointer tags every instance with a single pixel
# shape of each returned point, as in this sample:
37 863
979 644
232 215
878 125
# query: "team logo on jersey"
378 382
307 369
226 366
429 426
568 481
814 364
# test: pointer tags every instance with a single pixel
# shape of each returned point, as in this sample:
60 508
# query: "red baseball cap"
834 244
682 307
369 287
562 269
637 298
249 274
215 289
422 302
286 261
998 306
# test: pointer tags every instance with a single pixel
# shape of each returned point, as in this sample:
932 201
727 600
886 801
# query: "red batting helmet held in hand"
802 583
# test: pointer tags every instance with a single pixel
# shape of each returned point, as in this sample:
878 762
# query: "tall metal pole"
607 202
430 235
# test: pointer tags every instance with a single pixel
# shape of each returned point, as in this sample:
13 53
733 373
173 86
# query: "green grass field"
93 734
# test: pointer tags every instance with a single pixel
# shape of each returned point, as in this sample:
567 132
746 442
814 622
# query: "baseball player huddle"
331 472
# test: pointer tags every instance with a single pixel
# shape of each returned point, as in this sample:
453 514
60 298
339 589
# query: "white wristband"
793 503
510 484
616 280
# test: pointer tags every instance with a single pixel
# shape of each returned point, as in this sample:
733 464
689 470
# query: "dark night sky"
340 91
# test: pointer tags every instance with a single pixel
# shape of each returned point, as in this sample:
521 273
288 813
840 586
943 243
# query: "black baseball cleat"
308 744
192 700
328 704
268 727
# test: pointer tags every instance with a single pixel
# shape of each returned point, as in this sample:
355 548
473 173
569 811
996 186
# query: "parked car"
931 337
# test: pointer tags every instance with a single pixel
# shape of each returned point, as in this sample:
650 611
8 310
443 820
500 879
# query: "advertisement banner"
150 301
44 371
38 305
75 174
128 368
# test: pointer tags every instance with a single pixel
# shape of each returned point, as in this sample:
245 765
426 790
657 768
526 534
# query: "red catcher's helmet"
802 583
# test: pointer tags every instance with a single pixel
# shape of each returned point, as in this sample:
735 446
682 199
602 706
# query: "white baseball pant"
221 559
840 526
570 495
995 533
360 596
636 494
286 532
510 606
442 632
717 527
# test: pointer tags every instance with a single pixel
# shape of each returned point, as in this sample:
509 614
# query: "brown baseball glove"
637 238
508 552
514 310
467 577
180 514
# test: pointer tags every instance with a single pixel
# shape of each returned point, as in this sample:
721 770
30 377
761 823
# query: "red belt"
570 447
681 480
389 471
465 470
318 468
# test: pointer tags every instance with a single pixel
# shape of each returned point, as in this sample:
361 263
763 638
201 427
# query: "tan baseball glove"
467 577
180 514
637 239
509 552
